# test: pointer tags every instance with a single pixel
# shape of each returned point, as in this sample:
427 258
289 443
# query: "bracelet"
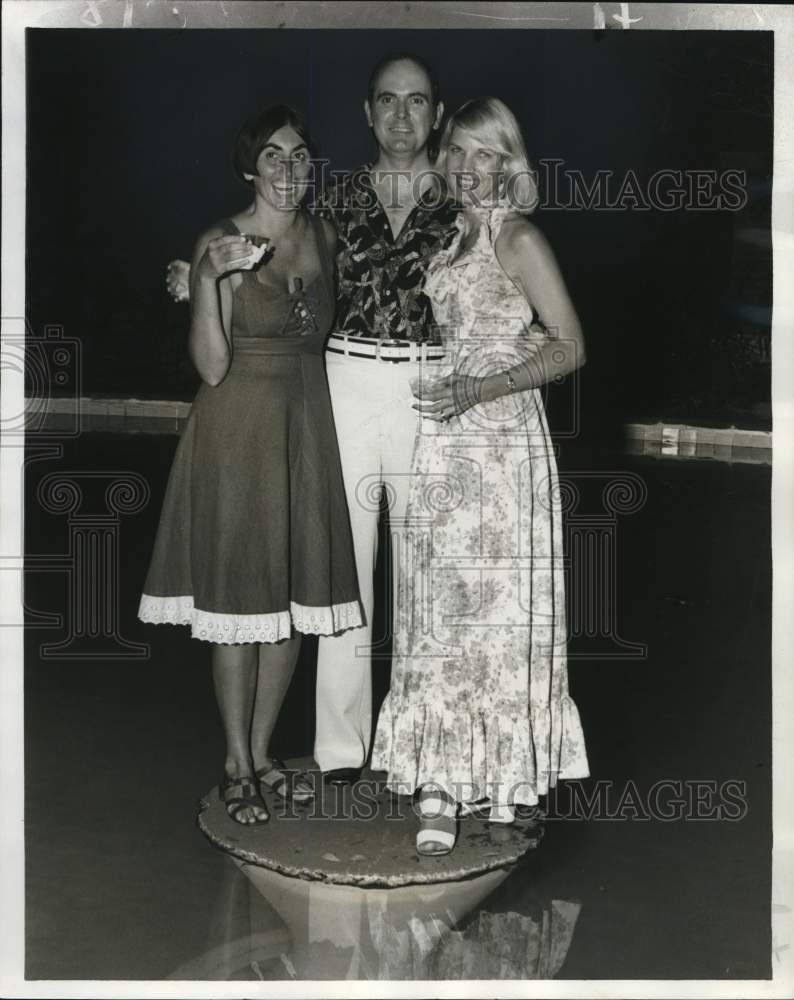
510 382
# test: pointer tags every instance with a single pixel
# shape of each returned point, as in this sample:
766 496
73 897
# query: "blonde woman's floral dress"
479 700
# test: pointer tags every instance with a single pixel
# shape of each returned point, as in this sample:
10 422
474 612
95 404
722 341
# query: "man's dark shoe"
529 814
342 776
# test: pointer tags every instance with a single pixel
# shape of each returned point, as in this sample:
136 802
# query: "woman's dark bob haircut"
256 132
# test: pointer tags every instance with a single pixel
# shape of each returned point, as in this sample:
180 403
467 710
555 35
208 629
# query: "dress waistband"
264 346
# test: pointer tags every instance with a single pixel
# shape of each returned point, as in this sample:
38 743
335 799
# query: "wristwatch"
510 382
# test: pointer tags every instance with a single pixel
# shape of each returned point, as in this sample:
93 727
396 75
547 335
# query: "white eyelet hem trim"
228 629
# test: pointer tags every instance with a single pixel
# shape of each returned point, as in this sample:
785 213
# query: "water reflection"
268 926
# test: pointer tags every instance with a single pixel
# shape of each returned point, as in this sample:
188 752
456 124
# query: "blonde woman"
479 709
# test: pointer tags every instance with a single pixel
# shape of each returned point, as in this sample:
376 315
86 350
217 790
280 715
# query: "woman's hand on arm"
526 257
449 396
215 257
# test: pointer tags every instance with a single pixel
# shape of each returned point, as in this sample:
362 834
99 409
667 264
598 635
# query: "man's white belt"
383 350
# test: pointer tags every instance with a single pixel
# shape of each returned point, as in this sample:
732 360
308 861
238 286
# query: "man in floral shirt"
391 217
380 274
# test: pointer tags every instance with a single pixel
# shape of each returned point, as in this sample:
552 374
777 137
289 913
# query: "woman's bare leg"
275 667
234 671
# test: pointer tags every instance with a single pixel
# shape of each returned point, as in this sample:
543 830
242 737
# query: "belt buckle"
389 343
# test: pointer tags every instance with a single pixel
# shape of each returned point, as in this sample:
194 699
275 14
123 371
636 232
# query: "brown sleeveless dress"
254 537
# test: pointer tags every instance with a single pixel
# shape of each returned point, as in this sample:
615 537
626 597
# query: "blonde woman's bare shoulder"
520 240
519 232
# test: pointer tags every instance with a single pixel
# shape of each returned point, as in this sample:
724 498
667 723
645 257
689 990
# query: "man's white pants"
376 427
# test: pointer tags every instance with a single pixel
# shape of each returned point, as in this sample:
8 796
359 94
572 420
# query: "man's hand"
177 280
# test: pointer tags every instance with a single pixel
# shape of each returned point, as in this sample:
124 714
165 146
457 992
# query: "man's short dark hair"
256 132
386 61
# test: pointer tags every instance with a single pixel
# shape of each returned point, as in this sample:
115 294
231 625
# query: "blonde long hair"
490 120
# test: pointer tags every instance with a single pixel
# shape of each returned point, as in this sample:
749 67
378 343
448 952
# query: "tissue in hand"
259 247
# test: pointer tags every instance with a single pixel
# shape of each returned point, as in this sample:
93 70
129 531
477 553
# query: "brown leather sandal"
248 796
290 786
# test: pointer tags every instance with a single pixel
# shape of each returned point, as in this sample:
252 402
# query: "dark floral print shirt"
380 277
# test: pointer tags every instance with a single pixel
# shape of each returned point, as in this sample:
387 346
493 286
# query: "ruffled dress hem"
505 755
229 629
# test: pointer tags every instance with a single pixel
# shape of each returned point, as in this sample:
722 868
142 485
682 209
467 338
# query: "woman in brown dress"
254 541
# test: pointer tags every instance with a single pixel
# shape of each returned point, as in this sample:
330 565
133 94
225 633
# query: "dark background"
129 137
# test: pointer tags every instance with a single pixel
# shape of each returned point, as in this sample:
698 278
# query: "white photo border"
17 15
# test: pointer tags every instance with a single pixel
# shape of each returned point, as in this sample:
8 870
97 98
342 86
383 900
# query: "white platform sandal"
438 824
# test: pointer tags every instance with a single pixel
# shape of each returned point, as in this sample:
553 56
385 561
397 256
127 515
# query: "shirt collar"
363 193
